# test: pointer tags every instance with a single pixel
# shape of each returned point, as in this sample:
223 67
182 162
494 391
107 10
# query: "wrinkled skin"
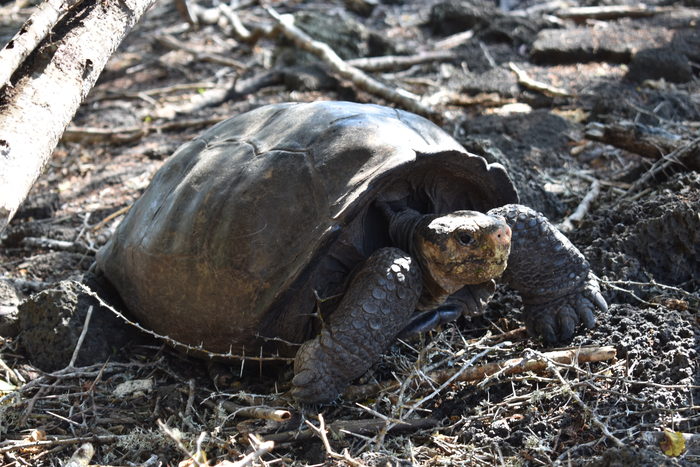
447 253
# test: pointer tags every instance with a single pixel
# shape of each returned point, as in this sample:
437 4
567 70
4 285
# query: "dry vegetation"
617 122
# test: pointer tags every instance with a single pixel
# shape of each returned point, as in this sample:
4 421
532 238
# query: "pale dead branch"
50 92
608 12
28 38
321 432
530 83
568 224
392 62
454 40
261 412
81 457
260 449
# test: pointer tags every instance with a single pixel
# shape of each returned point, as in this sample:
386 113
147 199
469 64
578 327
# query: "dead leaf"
674 444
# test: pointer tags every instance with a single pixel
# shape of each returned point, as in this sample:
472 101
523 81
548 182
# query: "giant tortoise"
338 226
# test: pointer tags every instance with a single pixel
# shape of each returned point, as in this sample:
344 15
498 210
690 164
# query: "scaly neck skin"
402 225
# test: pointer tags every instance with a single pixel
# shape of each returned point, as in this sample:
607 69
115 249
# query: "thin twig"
391 62
528 82
81 338
321 431
170 434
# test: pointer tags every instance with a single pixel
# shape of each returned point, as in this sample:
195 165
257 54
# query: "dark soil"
643 242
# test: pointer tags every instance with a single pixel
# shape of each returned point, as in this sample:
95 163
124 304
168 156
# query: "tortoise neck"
402 224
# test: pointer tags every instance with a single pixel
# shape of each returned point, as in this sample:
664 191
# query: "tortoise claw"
424 322
557 321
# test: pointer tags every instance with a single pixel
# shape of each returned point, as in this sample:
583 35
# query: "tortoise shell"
247 228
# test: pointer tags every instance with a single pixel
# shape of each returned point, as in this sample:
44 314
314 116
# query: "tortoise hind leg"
378 304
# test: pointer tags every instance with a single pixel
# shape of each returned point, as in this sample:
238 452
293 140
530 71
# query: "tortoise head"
464 247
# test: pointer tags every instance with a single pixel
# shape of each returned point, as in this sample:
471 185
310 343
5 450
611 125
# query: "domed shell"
239 219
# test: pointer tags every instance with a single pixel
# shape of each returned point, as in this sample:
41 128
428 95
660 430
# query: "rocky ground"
570 101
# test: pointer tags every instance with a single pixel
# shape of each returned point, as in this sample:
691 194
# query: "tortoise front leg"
558 289
378 304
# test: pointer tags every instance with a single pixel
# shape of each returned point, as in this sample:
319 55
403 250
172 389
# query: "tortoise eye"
465 239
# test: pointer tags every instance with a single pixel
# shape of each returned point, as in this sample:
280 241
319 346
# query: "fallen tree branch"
53 244
393 62
50 90
446 97
640 139
528 82
359 78
32 33
259 450
568 224
476 373
608 12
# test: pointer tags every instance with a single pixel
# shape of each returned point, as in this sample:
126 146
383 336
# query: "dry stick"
321 431
528 82
112 94
467 373
260 450
81 457
170 42
14 377
53 244
360 79
115 214
179 444
454 40
71 365
568 224
58 442
32 33
390 62
219 95
262 412
242 33
581 14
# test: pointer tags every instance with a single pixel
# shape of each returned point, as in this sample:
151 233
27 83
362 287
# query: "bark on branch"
56 78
